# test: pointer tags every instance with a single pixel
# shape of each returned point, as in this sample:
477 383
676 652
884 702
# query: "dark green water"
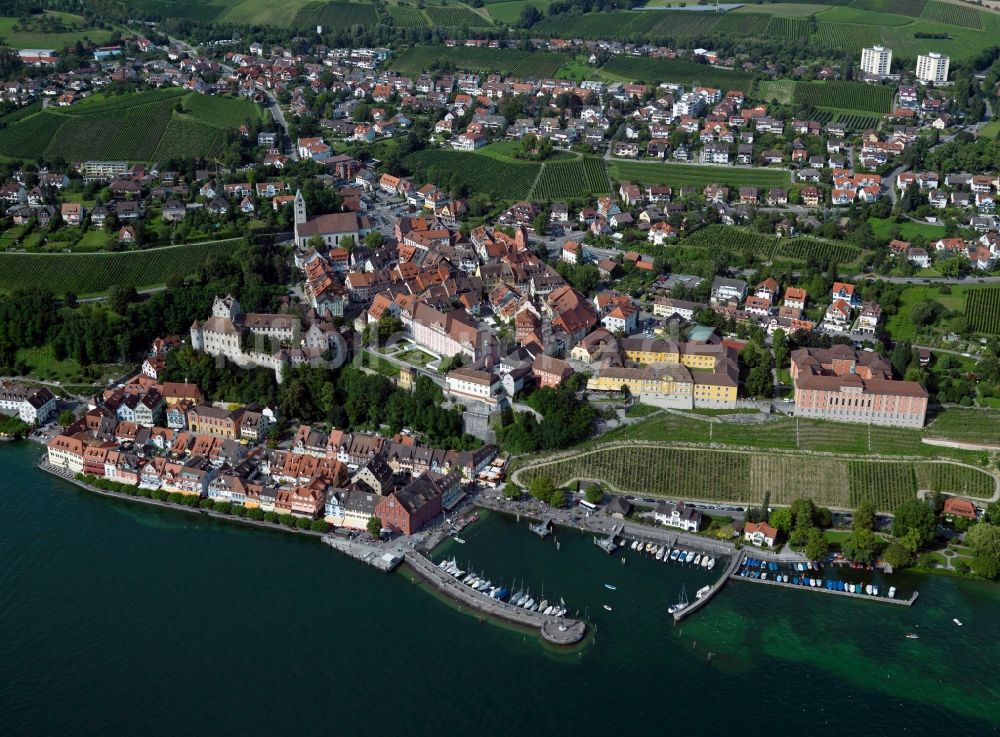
118 619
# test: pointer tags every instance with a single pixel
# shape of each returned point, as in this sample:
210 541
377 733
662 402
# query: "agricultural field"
93 273
31 36
680 175
456 16
912 8
781 90
747 24
953 15
791 29
982 309
886 485
973 425
845 96
581 177
407 16
847 36
741 476
949 478
733 239
133 127
510 11
412 61
654 71
804 249
457 170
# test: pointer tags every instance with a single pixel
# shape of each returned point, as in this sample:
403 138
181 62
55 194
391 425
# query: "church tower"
300 213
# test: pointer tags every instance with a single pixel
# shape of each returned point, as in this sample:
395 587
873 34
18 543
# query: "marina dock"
556 630
608 544
543 529
822 589
715 588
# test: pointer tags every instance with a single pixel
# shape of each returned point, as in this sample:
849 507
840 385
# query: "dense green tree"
861 546
558 498
816 545
594 494
374 526
781 519
541 487
864 516
897 555
984 539
915 519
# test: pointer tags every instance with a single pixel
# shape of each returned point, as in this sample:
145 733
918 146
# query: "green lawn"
909 230
42 364
973 425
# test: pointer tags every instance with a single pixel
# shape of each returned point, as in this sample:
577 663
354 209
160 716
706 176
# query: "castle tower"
197 337
300 213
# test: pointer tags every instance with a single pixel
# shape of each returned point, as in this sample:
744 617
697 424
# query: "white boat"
704 560
659 553
711 563
608 608
689 557
874 590
682 602
892 592
609 587
548 610
459 540
649 547
763 576
957 621
674 554
529 603
634 544
697 559
515 599
702 591
868 589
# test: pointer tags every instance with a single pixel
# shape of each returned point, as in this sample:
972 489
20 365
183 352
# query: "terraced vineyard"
93 273
912 8
847 36
792 29
133 127
804 249
416 59
406 16
733 239
841 95
456 17
749 24
581 177
335 15
953 15
455 170
886 485
681 175
654 71
951 479
982 309
741 476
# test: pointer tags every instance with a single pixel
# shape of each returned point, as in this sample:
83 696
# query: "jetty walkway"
556 630
603 525
716 587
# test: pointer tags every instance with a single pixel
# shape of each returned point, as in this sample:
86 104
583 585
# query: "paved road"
970 280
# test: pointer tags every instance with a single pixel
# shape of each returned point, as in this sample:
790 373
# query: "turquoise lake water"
121 619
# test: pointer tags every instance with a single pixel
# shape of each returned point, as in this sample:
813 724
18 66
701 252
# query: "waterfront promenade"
555 630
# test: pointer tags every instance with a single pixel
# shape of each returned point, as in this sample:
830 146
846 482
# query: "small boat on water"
874 590
868 589
957 621
634 544
674 553
682 602
912 636
610 587
702 591
697 559
608 608
690 557
711 563
659 553
704 560
459 540
892 592
763 575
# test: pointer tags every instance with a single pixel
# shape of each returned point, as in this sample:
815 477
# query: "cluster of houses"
166 436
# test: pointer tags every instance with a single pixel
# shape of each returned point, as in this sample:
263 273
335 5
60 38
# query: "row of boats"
770 572
677 555
521 599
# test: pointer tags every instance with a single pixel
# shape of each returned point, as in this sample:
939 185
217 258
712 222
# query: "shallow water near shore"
120 619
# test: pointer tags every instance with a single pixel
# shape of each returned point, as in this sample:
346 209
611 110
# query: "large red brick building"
410 508
844 385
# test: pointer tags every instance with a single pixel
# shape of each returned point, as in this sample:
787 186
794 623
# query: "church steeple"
300 208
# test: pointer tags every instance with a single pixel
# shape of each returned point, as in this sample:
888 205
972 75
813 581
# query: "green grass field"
93 273
32 37
882 227
510 12
134 127
901 327
972 425
680 175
